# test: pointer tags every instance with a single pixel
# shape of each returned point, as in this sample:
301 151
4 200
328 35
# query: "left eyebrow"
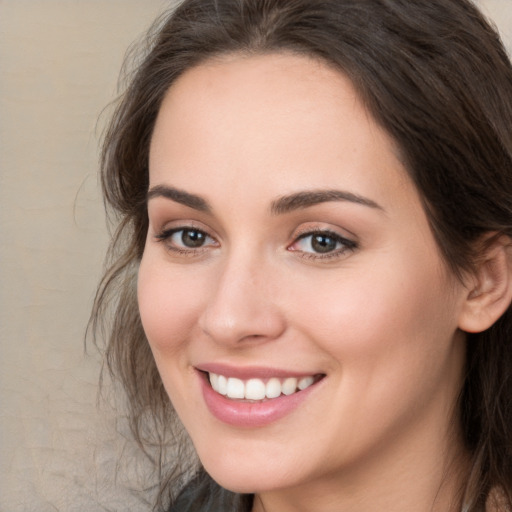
307 198
179 196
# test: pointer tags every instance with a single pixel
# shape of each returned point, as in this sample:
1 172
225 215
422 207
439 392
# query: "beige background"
59 61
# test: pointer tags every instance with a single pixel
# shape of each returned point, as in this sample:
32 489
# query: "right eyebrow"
307 198
179 196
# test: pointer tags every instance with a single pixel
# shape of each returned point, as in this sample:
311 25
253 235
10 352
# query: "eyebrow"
309 198
179 196
282 205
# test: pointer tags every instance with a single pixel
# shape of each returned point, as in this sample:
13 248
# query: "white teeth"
257 389
305 382
273 388
235 388
289 386
222 384
214 380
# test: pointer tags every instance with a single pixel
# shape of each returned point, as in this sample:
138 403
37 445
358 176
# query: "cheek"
389 334
169 305
393 315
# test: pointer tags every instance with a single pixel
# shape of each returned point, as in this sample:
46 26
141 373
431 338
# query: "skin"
379 317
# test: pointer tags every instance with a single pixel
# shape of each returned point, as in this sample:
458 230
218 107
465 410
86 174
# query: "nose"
242 305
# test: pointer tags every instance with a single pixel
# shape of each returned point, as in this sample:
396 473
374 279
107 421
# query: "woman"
313 257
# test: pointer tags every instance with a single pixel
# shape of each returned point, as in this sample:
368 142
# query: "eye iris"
323 243
191 238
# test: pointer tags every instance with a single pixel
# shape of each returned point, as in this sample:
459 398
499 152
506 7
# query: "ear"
489 288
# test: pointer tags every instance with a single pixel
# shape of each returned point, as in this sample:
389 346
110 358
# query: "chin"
250 475
254 482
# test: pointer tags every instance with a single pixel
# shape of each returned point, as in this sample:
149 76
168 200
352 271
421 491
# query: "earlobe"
490 292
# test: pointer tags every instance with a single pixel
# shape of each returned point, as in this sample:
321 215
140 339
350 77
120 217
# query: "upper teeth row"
257 389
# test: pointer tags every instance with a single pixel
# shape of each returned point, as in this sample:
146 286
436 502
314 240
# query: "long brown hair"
435 75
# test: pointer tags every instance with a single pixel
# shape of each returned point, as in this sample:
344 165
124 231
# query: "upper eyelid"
166 232
176 225
339 232
311 232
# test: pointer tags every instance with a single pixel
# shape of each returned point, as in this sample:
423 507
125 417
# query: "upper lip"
248 372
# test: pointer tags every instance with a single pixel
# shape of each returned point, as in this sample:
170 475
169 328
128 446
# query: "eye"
185 239
322 244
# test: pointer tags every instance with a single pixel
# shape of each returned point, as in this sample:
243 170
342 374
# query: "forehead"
254 93
289 121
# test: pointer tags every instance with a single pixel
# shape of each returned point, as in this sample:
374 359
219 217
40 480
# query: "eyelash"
346 244
166 235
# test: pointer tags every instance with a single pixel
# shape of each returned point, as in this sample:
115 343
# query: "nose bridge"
242 304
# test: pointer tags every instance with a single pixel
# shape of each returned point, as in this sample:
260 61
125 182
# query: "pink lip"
249 372
251 414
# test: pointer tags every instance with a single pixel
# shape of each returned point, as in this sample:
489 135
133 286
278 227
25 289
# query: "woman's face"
287 248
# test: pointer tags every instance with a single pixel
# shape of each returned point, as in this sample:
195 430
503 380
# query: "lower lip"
251 414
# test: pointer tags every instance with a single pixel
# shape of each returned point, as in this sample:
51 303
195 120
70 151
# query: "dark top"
203 494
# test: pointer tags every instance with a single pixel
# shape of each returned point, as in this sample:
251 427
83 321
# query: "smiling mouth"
260 389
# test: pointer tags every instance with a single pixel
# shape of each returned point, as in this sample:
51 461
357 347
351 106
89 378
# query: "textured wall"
59 61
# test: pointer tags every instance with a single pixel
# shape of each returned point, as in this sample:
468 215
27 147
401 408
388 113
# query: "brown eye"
192 238
323 243
186 239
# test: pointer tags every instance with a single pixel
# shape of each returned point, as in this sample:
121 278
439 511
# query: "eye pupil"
323 243
192 238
